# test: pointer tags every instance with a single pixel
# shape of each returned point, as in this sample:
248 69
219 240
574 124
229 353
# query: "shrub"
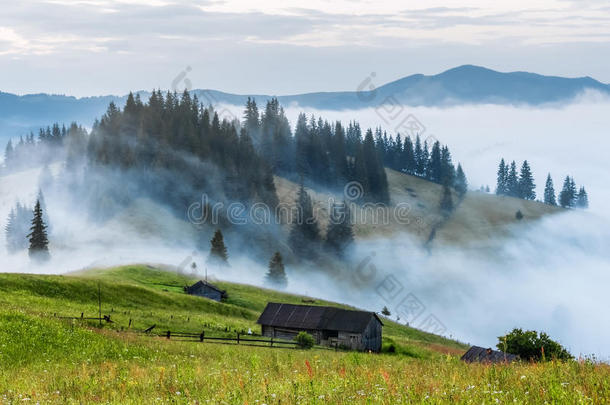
304 340
530 345
389 348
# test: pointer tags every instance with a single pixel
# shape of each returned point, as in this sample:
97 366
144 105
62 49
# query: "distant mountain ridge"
465 84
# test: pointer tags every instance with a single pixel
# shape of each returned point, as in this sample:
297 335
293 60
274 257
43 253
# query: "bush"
305 340
530 345
389 348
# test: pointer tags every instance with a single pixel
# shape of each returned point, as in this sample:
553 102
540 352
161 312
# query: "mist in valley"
549 275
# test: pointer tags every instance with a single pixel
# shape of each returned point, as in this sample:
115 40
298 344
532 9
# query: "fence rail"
238 339
196 337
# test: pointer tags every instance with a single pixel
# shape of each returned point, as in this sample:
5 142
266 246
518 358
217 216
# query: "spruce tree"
418 153
39 242
526 183
218 251
501 188
376 179
304 236
11 232
461 184
409 156
447 168
549 191
582 199
567 196
340 234
512 181
8 154
434 167
276 276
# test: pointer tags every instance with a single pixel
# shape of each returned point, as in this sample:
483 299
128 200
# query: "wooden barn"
356 330
204 289
477 354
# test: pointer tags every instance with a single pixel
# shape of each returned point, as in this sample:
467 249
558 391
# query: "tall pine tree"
218 251
512 181
526 183
461 184
276 275
549 191
501 187
567 196
39 242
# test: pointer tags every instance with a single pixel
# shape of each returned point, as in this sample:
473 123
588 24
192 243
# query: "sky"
94 47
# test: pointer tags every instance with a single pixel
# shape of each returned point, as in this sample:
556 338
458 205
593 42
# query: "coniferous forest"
174 149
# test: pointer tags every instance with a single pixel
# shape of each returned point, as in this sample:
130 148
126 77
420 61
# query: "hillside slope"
151 296
414 209
48 360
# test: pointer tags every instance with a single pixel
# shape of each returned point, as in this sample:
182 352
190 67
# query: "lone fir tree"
276 276
218 251
39 242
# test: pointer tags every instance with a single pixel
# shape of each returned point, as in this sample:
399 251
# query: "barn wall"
288 334
371 338
208 293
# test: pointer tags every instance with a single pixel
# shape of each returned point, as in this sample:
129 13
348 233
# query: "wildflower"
523 377
309 370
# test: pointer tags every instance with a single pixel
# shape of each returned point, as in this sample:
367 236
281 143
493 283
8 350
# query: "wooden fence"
239 339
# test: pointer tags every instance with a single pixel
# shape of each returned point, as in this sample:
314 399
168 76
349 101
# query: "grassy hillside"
477 218
48 360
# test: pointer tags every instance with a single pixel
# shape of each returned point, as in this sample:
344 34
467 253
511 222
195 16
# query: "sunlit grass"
48 360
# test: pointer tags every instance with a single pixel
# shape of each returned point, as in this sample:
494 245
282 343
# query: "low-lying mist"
550 275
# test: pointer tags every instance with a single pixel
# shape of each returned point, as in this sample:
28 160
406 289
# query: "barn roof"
315 317
477 354
202 283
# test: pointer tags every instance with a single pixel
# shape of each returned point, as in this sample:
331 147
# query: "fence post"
169 334
202 336
82 315
129 327
271 342
237 337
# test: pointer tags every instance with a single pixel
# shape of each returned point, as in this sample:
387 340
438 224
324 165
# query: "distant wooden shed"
357 330
477 354
204 289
